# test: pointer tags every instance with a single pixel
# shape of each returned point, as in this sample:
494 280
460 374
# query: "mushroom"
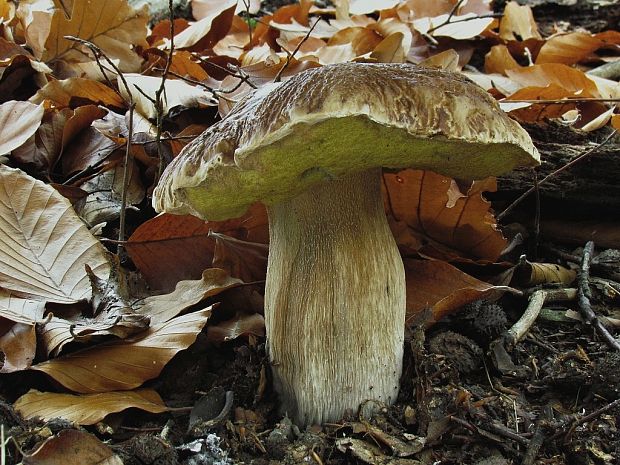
311 149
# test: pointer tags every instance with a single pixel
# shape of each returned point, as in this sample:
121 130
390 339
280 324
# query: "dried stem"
159 106
583 298
129 101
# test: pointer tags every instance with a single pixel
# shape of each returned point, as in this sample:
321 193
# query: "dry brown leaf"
90 149
241 259
615 122
430 214
574 47
72 447
45 246
498 60
533 274
19 309
105 202
412 9
86 409
436 289
539 112
363 40
58 128
113 25
206 32
18 344
18 121
518 23
561 75
183 65
331 54
599 121
241 325
126 364
172 248
460 27
78 91
390 50
178 93
448 60
161 308
364 7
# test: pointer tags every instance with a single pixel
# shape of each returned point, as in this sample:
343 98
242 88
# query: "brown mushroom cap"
326 122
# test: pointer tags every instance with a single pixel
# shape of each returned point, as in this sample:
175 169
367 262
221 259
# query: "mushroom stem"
334 300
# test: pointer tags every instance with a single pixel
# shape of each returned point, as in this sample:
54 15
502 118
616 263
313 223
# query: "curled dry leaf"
430 214
126 364
205 33
113 25
518 23
18 338
161 308
241 325
44 244
563 76
58 129
86 409
72 447
436 289
533 274
177 93
575 47
72 91
499 60
18 121
105 203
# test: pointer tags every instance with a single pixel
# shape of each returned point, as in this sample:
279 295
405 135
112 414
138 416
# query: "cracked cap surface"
325 122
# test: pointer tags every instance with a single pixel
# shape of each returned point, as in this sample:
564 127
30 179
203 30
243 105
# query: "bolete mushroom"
311 149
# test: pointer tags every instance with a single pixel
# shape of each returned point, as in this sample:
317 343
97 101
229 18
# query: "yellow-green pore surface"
333 148
330 121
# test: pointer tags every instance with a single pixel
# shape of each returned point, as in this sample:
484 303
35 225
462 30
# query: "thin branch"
555 173
159 107
292 55
583 298
129 101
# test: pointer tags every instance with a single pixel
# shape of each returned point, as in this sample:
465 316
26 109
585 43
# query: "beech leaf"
428 214
161 308
113 25
44 245
72 447
86 409
126 364
436 289
18 121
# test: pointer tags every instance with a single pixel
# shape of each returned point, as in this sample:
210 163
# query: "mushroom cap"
326 122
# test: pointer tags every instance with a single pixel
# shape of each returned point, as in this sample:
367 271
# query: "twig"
159 107
534 446
583 298
290 56
523 325
483 433
98 53
453 11
463 20
586 418
555 173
